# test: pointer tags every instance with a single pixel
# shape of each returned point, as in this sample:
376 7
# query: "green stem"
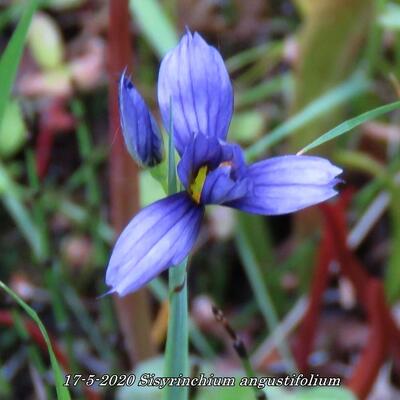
196 337
176 354
177 348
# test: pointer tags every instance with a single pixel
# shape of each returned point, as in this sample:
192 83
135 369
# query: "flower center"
196 186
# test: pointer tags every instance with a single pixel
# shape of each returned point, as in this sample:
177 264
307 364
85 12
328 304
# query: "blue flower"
141 134
194 82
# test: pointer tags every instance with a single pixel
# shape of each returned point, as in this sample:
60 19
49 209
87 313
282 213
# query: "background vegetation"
313 292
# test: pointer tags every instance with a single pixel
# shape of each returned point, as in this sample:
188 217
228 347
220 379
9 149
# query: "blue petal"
233 154
210 151
219 187
160 236
286 184
199 152
142 136
194 79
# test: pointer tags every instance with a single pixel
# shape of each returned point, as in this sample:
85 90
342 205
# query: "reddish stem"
307 331
384 333
133 310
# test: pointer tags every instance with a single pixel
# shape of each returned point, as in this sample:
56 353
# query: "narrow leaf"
11 56
324 104
155 25
62 391
351 124
10 197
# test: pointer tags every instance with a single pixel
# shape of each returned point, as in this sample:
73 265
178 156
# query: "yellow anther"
197 185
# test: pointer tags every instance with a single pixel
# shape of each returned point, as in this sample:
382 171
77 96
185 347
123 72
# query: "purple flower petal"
199 152
194 79
219 187
159 236
142 136
211 152
289 183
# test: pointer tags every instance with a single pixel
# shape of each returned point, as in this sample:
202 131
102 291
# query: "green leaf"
10 196
155 25
351 124
13 131
11 56
324 104
45 41
262 91
62 391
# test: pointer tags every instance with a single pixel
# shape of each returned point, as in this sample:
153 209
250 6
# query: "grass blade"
155 25
263 297
350 124
62 391
262 91
12 54
324 104
15 207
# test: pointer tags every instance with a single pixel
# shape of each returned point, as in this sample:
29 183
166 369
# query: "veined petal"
159 236
142 136
220 188
194 81
201 150
286 184
211 152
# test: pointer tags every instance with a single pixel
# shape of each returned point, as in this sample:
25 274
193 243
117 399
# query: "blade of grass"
245 57
350 124
56 284
76 213
11 56
12 202
359 161
262 91
155 25
339 95
62 391
34 355
91 182
86 322
263 297
38 211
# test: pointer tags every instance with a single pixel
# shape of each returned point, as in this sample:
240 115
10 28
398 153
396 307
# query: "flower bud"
141 133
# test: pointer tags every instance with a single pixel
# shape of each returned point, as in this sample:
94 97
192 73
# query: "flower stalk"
177 347
176 352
